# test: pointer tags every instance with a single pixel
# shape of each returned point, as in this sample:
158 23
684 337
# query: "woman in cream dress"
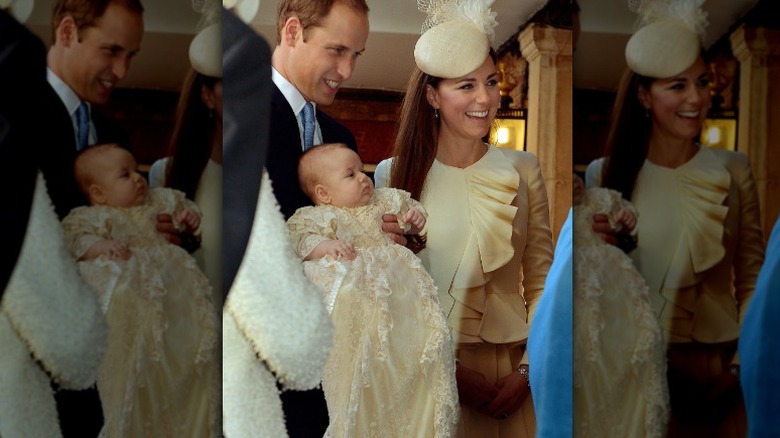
700 244
488 245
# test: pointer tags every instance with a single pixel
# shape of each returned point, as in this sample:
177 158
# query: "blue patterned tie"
82 121
308 125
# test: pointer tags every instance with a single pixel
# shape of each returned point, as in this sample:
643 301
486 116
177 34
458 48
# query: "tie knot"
308 125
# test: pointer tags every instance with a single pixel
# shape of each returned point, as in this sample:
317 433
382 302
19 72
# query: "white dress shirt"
296 101
71 102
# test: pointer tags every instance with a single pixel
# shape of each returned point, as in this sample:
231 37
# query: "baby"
392 368
159 374
620 381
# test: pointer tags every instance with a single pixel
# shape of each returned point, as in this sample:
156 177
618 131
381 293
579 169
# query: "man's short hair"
86 12
311 12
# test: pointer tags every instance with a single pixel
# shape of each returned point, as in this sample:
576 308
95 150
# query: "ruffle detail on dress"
492 188
704 184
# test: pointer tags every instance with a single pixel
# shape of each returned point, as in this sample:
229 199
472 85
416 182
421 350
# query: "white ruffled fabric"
50 322
392 370
274 322
620 379
159 374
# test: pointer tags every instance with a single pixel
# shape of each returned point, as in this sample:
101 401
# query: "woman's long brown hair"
193 134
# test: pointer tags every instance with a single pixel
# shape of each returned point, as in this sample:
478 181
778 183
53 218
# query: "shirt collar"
69 97
293 96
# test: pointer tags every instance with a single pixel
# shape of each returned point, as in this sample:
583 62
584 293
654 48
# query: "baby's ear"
322 194
96 195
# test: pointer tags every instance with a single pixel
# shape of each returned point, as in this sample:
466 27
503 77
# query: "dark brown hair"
86 12
416 141
629 135
311 12
193 135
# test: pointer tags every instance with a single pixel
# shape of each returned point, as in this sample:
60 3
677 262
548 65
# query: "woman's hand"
473 389
512 392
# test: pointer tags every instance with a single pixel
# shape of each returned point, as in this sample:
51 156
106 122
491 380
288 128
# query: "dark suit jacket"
306 413
284 150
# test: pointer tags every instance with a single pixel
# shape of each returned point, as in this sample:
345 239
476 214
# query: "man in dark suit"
93 44
318 43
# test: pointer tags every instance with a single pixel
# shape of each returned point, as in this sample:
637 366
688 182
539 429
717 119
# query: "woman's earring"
647 113
436 113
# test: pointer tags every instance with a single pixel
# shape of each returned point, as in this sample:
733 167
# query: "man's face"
319 65
95 62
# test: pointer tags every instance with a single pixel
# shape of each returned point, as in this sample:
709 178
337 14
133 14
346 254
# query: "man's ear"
292 27
67 32
322 194
96 194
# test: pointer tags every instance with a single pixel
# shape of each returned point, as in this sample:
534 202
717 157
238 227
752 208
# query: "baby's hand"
415 219
625 218
334 248
190 219
113 249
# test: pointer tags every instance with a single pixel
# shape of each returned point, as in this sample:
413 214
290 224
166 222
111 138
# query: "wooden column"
548 51
758 52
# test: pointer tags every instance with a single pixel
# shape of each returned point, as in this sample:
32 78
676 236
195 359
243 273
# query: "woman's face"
678 105
467 105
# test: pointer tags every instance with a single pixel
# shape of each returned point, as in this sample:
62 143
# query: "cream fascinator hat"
19 9
246 10
668 38
456 36
206 48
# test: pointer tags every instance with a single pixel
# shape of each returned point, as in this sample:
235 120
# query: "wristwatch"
734 369
523 370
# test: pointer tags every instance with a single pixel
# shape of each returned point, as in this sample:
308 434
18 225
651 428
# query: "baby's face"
344 179
119 179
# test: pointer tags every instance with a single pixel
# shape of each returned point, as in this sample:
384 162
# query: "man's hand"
603 228
622 239
392 229
166 226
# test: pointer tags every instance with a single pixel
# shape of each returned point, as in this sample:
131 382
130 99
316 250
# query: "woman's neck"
459 152
671 153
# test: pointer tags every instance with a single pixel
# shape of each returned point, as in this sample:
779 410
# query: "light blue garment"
759 347
550 345
308 125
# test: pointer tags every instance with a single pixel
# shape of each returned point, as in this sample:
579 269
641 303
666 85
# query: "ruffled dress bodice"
476 205
682 213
